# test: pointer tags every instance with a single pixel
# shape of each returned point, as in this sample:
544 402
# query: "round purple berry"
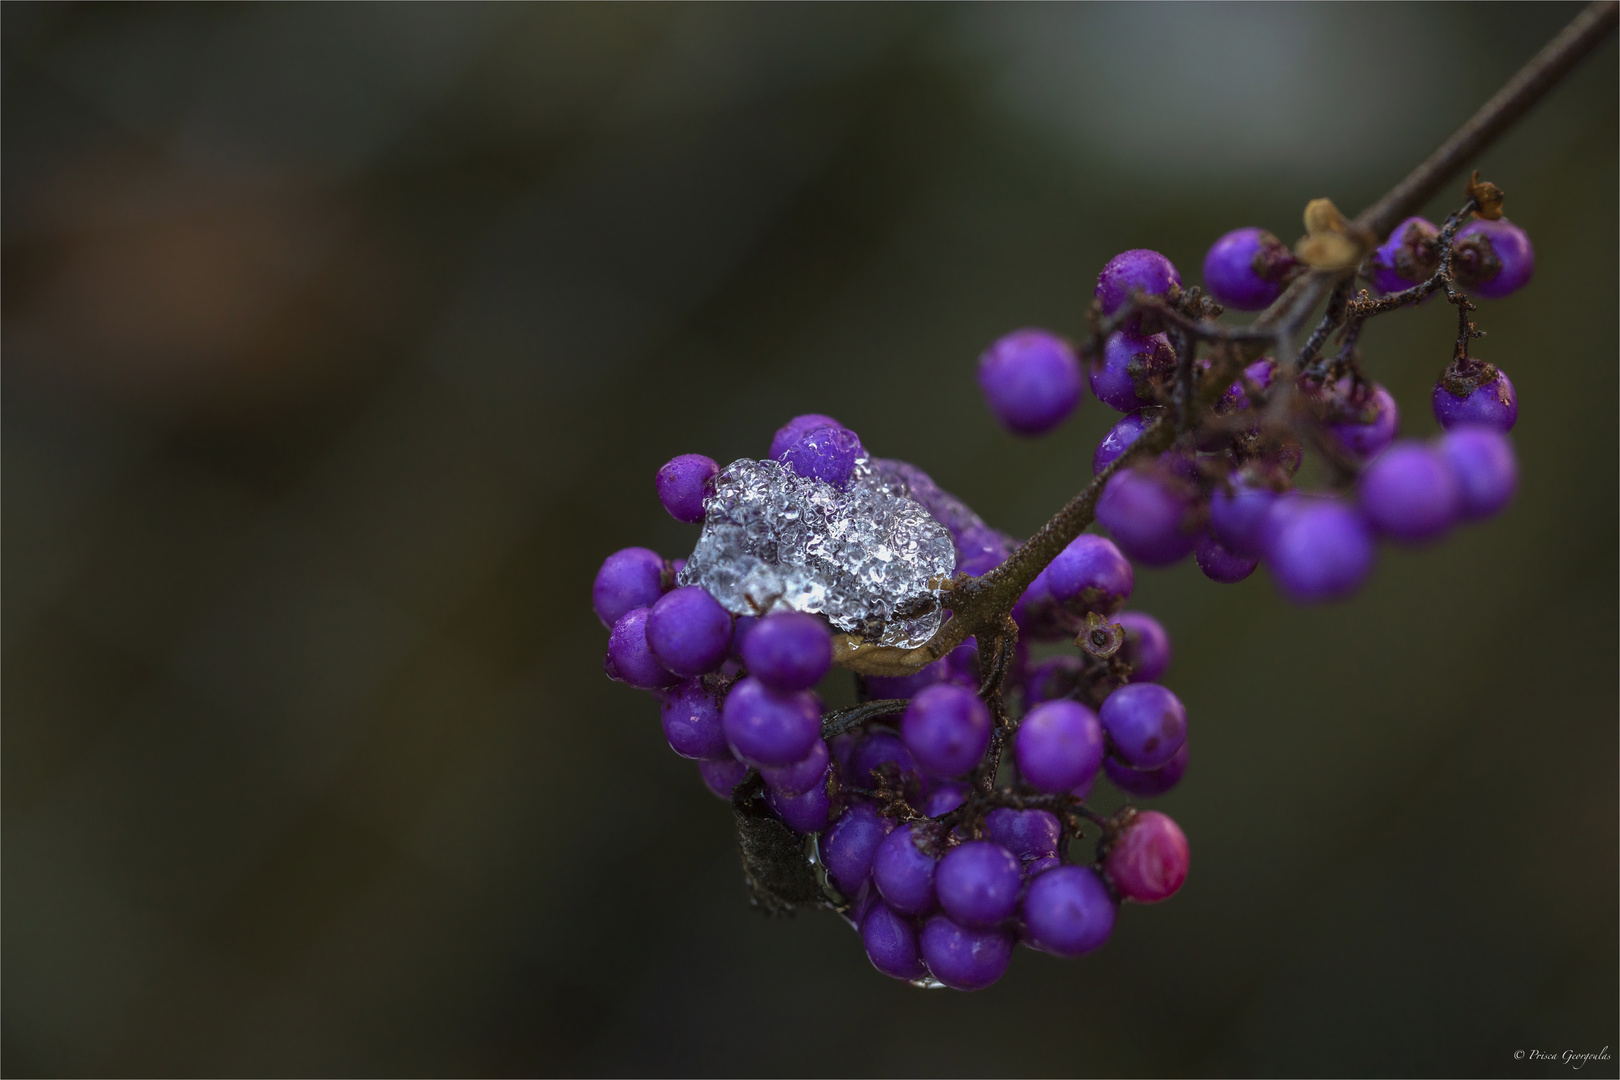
682 483
947 729
767 727
691 719
1151 514
788 651
827 454
630 578
964 959
802 775
1487 472
1318 548
1045 862
1237 518
1030 380
891 943
1493 258
1090 575
1146 783
1028 834
1129 272
1410 492
721 777
1067 911
629 656
880 747
946 796
903 873
850 844
1477 394
1411 255
1367 422
689 631
1148 861
1145 722
1119 439
1147 645
978 883
1247 269
1220 564
1058 746
808 812
1125 376
796 429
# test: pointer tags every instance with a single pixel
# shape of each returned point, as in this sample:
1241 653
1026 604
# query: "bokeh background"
341 344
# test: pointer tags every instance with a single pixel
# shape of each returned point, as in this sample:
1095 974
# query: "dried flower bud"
1332 241
1487 197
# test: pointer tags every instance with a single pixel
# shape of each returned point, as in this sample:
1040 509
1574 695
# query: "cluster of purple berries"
938 897
1226 496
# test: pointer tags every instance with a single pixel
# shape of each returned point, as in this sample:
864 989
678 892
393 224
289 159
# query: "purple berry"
891 943
1028 834
1238 518
1411 255
1151 514
903 874
796 429
1367 422
827 454
1493 258
788 651
1475 394
947 728
1030 380
802 775
807 812
1130 368
1067 911
1410 492
1261 374
722 776
1147 645
880 747
1058 746
1145 722
1318 548
630 578
946 796
964 959
1045 862
1148 860
681 485
1221 565
689 631
1487 472
691 718
631 658
850 844
1129 272
1051 679
1146 783
978 883
1118 440
1090 575
1247 269
766 727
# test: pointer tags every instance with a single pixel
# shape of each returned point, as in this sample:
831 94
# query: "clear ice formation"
870 558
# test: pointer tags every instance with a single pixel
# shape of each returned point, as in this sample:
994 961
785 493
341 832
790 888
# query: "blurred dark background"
341 343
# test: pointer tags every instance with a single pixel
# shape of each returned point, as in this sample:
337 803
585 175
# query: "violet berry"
1151 514
825 453
1474 392
788 650
1237 518
630 658
1130 366
1129 272
1220 564
767 727
978 883
1493 258
1318 548
1410 492
1059 745
629 578
891 943
848 847
722 777
691 720
681 484
1030 380
903 873
1067 911
1146 723
801 775
1487 471
1147 645
947 728
689 631
1366 420
1148 860
808 812
1119 439
964 959
1090 575
1247 269
1146 783
796 429
1028 834
1409 256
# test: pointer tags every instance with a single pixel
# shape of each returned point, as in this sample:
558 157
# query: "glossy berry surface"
691 721
1367 424
802 775
808 812
689 632
1146 724
1493 259
796 429
946 728
767 727
1118 439
946 796
903 874
1237 518
1129 272
978 883
631 659
891 943
788 650
1317 548
1220 564
1410 492
849 846
1130 367
1150 514
1247 269
1409 256
630 578
1058 746
1486 469
1146 783
1028 834
1090 575
827 454
1147 645
1148 860
721 777
962 958
1067 911
1030 380
681 482
1492 403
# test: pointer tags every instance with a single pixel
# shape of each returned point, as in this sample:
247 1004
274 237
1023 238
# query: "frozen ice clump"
870 557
